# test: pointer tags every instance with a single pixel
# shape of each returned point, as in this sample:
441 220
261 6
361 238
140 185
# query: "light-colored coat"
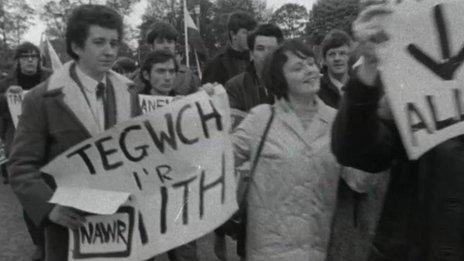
293 192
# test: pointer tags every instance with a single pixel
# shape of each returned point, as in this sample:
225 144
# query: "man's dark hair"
26 47
85 16
273 74
160 56
238 20
161 30
124 65
270 30
334 39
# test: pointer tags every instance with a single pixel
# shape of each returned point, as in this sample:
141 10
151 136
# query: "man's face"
240 39
28 62
164 44
263 46
99 51
336 60
161 76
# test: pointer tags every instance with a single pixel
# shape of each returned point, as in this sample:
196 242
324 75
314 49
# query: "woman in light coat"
292 193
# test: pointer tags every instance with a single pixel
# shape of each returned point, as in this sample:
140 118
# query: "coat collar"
320 126
73 98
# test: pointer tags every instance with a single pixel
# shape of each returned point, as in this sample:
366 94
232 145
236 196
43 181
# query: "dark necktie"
100 93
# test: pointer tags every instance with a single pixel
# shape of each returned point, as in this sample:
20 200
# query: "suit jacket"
55 117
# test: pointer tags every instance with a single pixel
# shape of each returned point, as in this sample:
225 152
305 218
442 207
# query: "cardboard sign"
150 103
175 163
423 73
15 101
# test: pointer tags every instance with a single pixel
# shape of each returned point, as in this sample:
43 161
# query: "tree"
292 19
222 10
330 14
56 13
15 18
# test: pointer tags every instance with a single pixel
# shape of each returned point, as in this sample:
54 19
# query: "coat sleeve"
214 72
28 155
232 87
359 137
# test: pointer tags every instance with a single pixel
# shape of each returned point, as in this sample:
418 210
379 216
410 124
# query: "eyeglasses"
28 56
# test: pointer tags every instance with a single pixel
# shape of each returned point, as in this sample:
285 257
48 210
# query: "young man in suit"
78 101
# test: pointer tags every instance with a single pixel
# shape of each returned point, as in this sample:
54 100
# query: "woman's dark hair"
273 74
160 56
85 16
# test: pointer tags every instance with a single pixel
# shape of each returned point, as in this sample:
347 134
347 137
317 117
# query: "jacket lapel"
122 96
74 101
72 98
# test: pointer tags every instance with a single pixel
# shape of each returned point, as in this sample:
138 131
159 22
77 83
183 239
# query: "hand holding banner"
14 97
177 165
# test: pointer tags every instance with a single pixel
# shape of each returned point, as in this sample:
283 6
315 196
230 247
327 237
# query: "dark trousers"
423 218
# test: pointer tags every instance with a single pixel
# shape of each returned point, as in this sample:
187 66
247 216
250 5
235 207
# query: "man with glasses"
26 74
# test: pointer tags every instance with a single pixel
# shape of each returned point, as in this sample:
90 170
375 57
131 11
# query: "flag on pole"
48 54
193 34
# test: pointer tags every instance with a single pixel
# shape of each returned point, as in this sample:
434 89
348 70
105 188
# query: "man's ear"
231 35
146 75
76 49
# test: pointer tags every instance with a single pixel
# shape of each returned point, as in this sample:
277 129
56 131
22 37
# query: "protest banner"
173 168
15 101
422 71
237 117
150 103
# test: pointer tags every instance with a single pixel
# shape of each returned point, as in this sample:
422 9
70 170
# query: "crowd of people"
317 139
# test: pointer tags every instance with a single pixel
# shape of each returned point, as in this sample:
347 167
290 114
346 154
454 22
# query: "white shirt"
90 89
337 84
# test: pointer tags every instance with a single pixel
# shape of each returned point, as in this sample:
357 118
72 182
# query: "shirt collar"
336 82
88 82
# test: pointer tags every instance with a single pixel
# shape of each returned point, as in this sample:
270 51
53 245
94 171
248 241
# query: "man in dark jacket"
246 89
27 74
336 50
236 57
423 214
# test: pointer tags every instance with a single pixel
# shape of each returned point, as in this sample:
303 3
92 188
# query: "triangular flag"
55 60
193 37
